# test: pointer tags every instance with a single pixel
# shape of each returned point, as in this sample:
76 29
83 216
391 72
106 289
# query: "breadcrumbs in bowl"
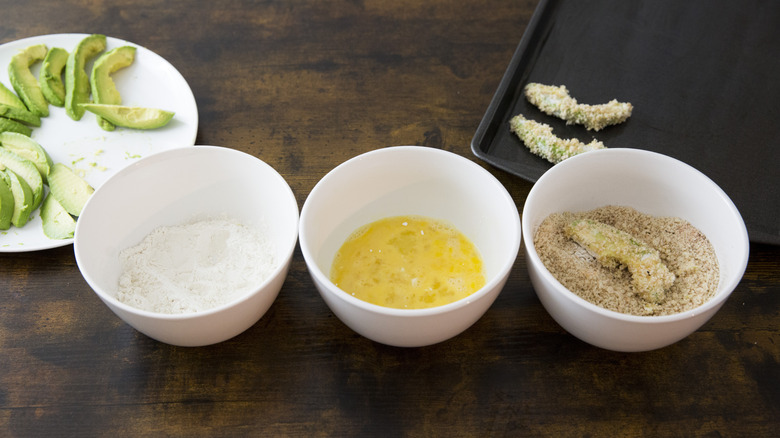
669 206
683 248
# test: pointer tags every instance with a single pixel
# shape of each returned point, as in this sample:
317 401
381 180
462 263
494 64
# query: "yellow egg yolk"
408 262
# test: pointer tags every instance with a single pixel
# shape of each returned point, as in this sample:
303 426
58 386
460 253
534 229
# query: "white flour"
195 266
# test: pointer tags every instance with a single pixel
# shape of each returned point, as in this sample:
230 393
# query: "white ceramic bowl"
406 180
175 187
653 184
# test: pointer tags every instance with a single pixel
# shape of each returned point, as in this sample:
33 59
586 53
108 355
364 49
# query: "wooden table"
305 85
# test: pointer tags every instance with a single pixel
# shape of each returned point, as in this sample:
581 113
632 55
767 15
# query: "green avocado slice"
10 98
20 115
14 126
76 78
133 117
6 202
28 148
50 78
23 81
103 88
71 190
26 170
23 198
57 222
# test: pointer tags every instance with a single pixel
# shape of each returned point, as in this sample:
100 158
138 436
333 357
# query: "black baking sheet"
703 76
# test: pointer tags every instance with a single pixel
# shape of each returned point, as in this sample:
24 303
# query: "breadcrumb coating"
556 101
540 140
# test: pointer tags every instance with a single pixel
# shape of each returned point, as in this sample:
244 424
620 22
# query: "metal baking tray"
702 76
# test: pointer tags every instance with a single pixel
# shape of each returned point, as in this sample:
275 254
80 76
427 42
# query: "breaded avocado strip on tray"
556 101
539 138
613 248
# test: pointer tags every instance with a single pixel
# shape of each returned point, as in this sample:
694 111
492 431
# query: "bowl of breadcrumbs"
631 250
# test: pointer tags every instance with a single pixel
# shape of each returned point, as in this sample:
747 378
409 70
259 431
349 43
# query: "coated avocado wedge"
70 189
50 77
23 81
26 170
76 79
103 88
6 202
131 116
14 126
23 198
57 222
28 148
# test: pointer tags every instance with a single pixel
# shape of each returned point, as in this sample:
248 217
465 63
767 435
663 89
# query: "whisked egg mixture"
408 262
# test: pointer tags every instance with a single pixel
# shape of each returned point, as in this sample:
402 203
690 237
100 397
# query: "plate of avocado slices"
85 105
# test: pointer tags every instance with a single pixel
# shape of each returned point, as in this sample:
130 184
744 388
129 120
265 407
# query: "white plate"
150 81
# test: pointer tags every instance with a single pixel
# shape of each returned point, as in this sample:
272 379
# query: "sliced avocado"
131 116
103 88
14 126
20 115
23 81
23 198
6 202
27 171
10 98
28 148
76 78
70 189
57 222
50 78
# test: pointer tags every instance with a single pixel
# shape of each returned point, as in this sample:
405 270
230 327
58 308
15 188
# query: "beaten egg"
408 262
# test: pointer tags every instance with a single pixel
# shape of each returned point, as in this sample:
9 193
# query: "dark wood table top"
306 85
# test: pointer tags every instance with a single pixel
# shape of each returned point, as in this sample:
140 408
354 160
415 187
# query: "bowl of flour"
189 246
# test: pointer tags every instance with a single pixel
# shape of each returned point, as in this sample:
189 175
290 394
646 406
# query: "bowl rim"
340 294
724 291
150 159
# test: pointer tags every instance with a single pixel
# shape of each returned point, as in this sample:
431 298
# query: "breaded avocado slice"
613 248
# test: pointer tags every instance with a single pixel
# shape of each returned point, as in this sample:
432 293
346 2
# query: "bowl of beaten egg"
189 246
676 216
396 240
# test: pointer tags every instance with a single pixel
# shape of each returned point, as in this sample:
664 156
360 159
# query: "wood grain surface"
306 85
